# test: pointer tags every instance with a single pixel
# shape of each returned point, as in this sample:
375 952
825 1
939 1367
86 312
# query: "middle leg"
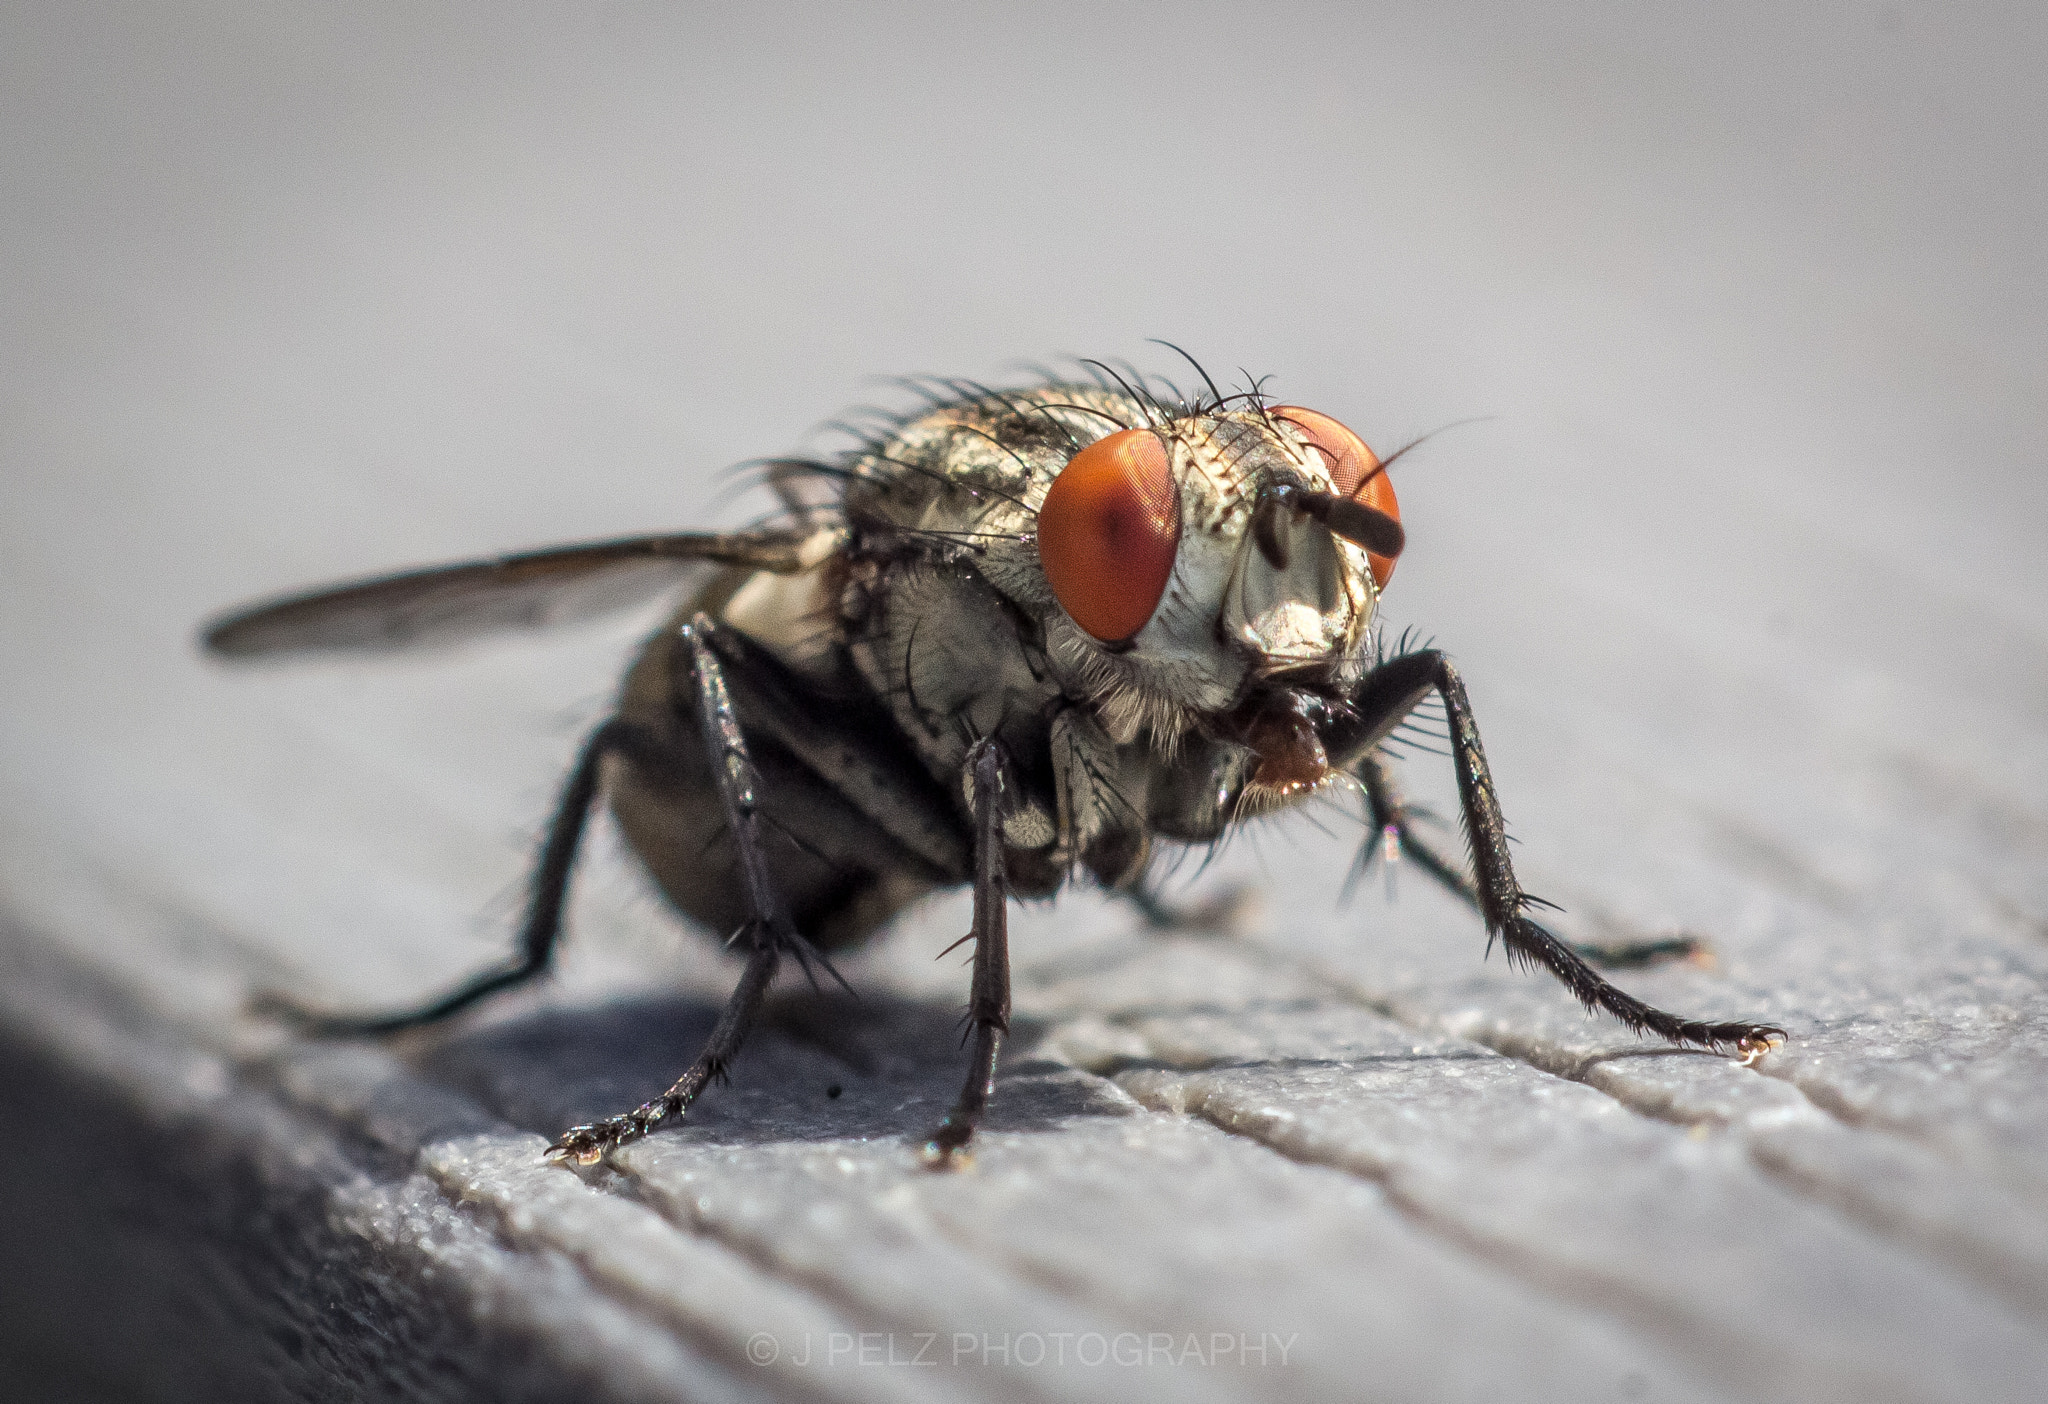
769 930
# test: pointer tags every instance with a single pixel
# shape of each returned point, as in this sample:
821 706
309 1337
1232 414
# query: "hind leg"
543 926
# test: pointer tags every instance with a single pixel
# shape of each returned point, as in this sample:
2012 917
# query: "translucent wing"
530 590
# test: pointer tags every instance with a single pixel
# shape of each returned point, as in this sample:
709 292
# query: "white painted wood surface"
1744 573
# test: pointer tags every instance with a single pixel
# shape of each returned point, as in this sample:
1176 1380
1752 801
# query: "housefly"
1014 635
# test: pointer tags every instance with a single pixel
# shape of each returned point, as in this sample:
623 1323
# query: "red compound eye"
1108 533
1351 465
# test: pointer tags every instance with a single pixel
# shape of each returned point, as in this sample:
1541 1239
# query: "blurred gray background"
297 293
1743 565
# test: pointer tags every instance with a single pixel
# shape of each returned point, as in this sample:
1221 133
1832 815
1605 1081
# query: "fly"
1015 635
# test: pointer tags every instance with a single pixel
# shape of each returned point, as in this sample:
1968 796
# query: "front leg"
1387 695
1393 836
988 1006
769 930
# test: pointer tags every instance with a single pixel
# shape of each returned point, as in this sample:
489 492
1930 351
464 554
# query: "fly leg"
769 931
1387 695
1393 833
1225 913
543 927
988 1006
